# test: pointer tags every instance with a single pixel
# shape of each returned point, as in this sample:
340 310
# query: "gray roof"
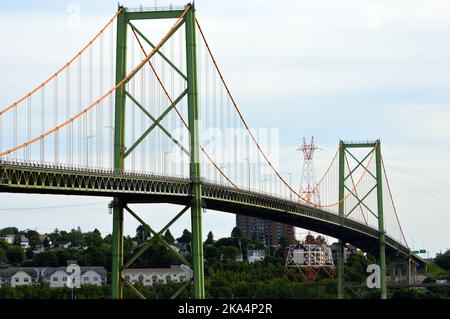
47 271
8 272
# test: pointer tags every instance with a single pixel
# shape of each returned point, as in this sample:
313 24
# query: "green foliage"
15 255
143 233
443 260
8 231
210 239
168 237
186 238
236 232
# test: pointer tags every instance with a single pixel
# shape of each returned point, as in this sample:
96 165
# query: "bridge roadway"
31 177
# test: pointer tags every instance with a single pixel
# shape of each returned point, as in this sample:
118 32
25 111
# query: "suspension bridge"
156 122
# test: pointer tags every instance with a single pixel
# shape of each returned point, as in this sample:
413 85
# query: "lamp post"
164 161
262 184
290 184
248 161
87 148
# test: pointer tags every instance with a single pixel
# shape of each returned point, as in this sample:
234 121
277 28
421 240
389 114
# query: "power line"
52 207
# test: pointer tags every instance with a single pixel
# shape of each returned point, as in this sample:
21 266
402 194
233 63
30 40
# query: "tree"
168 237
443 260
15 255
230 252
46 259
93 238
143 233
33 238
186 238
75 237
9 231
236 232
210 239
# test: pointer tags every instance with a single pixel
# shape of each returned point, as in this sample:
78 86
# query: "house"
10 238
24 242
72 276
255 255
18 276
62 244
152 276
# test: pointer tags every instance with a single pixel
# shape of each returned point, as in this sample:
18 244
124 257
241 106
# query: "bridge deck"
24 177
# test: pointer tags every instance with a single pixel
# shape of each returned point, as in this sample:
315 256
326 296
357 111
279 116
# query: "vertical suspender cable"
42 141
80 121
55 120
15 129
89 115
69 136
28 157
133 107
144 143
111 105
100 109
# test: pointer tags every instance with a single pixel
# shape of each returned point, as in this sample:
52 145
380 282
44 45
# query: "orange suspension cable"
83 112
62 68
392 200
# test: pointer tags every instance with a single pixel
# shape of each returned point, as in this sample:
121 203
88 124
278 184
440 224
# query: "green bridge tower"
119 205
344 150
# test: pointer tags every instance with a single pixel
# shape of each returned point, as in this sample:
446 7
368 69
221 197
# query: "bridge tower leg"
119 150
340 252
193 122
344 149
382 258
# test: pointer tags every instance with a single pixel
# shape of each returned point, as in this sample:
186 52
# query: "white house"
255 255
72 276
18 276
9 238
152 276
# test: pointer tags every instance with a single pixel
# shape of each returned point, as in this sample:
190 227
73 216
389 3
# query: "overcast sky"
350 69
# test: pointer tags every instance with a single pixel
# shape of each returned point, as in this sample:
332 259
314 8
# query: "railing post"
119 147
193 122
381 229
340 253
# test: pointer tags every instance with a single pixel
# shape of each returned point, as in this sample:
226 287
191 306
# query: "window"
16 279
127 278
64 278
26 279
147 280
154 278
86 278
95 278
55 278
141 278
168 278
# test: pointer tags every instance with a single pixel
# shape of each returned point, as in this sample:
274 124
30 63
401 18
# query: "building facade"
154 276
266 231
72 276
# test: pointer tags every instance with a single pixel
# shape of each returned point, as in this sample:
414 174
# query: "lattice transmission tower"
308 189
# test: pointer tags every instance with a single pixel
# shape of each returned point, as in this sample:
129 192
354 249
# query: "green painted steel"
119 148
340 254
158 51
194 137
382 232
154 14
